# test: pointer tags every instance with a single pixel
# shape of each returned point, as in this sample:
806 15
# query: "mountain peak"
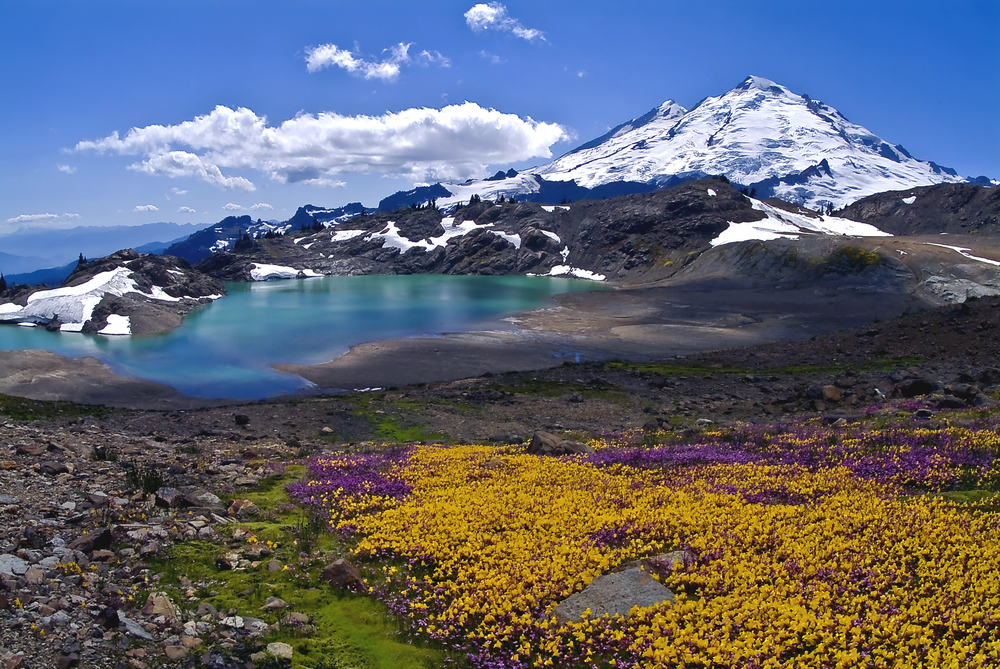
755 83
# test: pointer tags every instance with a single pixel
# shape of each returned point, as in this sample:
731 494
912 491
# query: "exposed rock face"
635 236
951 208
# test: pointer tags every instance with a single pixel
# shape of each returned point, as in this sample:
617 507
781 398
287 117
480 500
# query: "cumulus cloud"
186 210
178 191
330 55
68 169
262 206
31 218
232 206
494 16
146 207
454 142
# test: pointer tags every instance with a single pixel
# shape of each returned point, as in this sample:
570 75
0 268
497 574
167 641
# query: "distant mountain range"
31 249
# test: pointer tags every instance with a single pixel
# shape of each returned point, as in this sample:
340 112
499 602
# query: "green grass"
389 420
348 630
19 408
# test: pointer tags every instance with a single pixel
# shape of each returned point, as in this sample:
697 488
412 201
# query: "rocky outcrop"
951 208
123 293
632 237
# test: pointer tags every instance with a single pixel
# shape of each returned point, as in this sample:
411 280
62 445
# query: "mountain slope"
760 135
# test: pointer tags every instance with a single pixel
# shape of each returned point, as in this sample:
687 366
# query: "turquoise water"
225 349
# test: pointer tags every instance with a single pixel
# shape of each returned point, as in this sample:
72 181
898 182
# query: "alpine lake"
226 349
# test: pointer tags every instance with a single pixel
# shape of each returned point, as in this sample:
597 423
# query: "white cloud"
27 218
494 16
330 55
68 169
262 206
492 57
433 58
186 210
30 218
454 142
178 191
232 206
146 207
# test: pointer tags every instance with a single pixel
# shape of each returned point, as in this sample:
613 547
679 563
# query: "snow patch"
711 193
551 208
391 237
562 270
117 325
263 272
965 252
910 200
551 235
564 253
308 246
783 224
344 235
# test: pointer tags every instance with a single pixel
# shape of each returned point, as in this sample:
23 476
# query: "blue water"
225 349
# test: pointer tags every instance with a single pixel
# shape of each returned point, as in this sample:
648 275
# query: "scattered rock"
241 419
273 604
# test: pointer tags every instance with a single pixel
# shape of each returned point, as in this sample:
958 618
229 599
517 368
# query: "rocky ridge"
123 293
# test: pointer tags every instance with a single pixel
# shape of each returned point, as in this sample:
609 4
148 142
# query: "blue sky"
265 106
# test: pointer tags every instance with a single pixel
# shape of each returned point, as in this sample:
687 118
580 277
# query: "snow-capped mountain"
760 135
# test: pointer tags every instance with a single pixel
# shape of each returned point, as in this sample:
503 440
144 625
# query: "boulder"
280 650
53 467
169 498
546 443
160 604
201 498
343 575
96 540
918 386
614 594
11 565
831 394
242 508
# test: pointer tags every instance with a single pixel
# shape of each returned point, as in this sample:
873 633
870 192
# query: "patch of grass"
387 420
848 260
19 408
146 479
345 629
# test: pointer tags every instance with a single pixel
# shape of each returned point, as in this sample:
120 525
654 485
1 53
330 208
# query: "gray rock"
280 650
614 594
201 498
546 443
170 498
11 565
134 628
9 499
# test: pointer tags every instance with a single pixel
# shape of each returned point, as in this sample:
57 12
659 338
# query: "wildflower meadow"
873 544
